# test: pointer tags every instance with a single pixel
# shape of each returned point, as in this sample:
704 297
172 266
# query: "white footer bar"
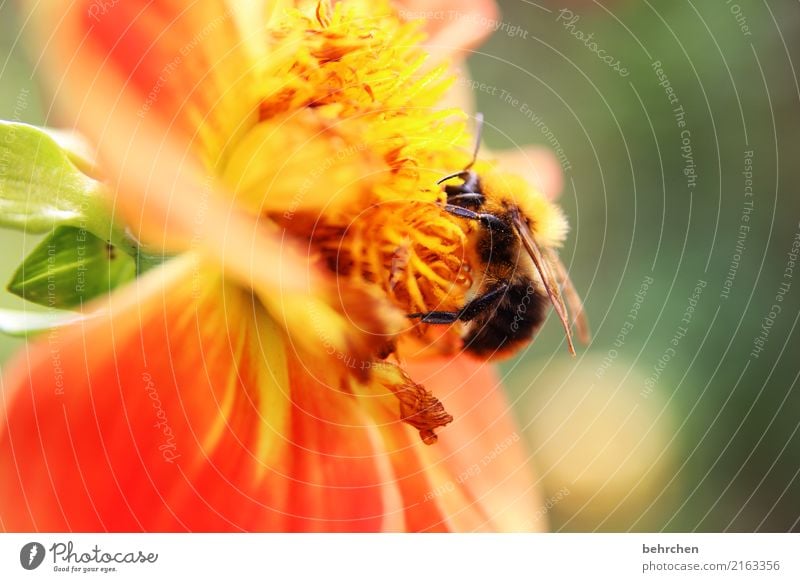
401 557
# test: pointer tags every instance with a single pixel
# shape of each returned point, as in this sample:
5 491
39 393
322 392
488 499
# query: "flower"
288 156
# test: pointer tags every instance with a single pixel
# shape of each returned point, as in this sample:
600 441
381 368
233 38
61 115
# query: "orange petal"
419 479
477 477
454 26
180 408
538 165
161 88
482 453
183 63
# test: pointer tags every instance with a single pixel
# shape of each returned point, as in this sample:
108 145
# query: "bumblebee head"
545 218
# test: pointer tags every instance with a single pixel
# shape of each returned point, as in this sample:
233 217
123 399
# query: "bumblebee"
522 275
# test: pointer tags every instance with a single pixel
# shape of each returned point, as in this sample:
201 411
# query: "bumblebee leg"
467 313
488 220
436 317
462 212
480 304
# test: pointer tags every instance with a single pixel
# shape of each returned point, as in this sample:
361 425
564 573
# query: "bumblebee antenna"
475 150
478 134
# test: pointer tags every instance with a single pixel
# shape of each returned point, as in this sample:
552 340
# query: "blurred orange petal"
538 165
182 408
482 450
185 64
454 26
162 89
175 410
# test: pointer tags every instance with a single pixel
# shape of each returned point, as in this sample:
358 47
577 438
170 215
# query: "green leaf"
69 268
24 323
41 187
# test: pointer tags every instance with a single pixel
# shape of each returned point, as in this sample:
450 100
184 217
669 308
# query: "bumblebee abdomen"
511 323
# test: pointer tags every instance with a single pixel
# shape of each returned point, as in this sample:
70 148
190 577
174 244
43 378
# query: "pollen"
355 57
411 249
368 201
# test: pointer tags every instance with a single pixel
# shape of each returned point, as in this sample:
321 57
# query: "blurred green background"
659 424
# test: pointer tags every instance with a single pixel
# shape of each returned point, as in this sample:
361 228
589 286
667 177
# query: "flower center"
348 147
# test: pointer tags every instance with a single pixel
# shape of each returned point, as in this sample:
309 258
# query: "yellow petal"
301 163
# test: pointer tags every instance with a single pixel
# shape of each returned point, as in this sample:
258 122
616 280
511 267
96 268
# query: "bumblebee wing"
543 267
572 298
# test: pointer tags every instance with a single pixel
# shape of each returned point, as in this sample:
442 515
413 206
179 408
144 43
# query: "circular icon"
31 555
